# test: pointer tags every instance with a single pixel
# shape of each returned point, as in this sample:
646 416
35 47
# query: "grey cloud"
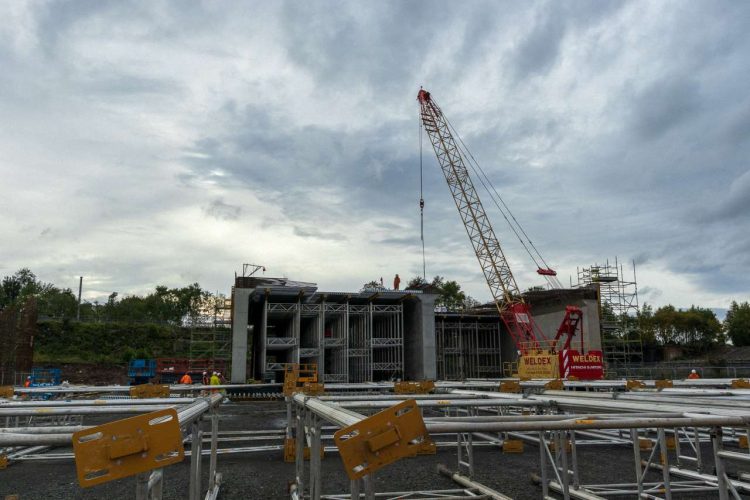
664 106
313 232
405 241
659 162
641 258
337 45
738 129
221 210
113 83
308 168
734 205
649 293
541 47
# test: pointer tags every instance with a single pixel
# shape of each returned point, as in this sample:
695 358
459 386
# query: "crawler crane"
536 353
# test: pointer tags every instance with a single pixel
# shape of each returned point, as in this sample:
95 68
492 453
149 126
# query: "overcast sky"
146 143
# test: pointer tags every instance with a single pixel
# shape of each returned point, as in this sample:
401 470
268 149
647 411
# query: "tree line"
696 328
175 306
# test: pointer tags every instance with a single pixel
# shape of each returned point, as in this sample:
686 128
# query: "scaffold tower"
618 309
210 335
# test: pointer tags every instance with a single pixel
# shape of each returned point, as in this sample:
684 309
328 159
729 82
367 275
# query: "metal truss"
664 437
467 348
34 442
281 341
363 341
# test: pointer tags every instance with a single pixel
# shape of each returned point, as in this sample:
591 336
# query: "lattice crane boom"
513 310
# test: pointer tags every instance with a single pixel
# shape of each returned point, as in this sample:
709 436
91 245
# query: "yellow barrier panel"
381 439
127 447
147 391
512 446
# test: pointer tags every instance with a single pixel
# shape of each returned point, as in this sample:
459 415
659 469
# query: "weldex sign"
538 366
587 366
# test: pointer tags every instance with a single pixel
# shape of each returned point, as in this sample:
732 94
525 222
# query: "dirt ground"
266 476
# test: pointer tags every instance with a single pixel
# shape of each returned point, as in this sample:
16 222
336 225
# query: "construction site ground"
266 476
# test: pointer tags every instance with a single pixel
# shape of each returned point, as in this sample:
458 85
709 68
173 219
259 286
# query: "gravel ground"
266 476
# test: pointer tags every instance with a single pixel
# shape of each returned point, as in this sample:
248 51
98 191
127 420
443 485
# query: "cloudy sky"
146 143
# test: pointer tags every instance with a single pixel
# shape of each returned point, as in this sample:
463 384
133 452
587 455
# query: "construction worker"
27 383
206 379
186 379
396 282
215 380
693 375
223 381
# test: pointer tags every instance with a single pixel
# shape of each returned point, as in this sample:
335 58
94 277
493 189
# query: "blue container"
45 377
142 368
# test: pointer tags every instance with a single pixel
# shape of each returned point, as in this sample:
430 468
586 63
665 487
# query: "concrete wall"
240 312
548 318
419 349
420 361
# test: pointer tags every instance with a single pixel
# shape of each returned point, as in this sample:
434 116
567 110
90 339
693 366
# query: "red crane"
514 311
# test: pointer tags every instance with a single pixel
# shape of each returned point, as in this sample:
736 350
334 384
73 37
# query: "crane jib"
534 349
487 248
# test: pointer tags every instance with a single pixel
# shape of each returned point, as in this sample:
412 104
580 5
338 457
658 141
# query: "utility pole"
80 288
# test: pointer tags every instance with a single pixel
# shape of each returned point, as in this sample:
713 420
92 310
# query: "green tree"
645 325
451 296
416 283
51 300
371 285
696 328
56 303
699 327
737 323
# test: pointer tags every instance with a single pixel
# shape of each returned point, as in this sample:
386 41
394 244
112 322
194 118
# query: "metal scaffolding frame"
211 334
468 348
681 439
618 301
387 341
663 431
27 437
349 342
335 360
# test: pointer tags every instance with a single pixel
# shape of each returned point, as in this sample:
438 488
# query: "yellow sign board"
541 365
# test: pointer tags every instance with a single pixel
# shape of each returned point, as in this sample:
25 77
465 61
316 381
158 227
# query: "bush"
67 341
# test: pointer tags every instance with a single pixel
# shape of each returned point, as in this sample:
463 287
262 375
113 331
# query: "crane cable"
421 203
465 153
495 197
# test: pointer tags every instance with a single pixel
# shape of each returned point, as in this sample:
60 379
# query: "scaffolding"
351 342
210 335
335 361
618 308
17 330
467 348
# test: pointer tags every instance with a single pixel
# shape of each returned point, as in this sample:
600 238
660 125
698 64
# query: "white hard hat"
692 371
